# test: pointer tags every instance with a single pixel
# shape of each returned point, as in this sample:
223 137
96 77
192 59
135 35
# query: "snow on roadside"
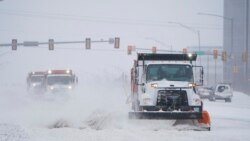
97 110
11 132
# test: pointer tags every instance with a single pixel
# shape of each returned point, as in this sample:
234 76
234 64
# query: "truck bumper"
194 112
165 115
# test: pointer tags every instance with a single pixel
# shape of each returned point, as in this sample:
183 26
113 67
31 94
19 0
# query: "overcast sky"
143 23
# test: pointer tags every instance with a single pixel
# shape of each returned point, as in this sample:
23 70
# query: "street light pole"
199 40
247 42
232 35
232 26
160 42
194 31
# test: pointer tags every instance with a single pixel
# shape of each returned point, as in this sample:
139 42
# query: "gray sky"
143 23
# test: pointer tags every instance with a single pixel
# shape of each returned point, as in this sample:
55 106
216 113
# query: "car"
206 93
223 91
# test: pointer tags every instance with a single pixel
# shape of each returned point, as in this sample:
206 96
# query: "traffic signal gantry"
51 43
215 54
14 44
131 48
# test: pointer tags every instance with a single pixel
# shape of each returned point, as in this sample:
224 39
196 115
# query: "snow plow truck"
163 88
36 82
60 81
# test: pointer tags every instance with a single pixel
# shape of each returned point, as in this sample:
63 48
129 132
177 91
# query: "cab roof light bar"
167 57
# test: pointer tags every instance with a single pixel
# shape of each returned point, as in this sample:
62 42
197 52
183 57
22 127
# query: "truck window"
169 72
63 80
36 79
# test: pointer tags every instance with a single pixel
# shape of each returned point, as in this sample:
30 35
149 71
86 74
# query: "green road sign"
200 52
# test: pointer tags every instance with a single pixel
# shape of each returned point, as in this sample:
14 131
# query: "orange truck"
60 80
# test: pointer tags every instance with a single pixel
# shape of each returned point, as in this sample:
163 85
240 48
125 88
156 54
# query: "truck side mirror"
199 81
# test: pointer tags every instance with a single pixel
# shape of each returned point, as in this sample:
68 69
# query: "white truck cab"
36 82
60 80
165 83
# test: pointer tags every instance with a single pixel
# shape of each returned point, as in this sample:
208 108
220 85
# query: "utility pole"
215 71
247 43
208 69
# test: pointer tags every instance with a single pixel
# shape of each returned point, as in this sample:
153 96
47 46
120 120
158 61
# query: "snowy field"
97 109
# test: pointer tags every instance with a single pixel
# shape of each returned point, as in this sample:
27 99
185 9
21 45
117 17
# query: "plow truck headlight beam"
51 88
67 71
191 85
190 55
49 71
70 87
154 85
34 84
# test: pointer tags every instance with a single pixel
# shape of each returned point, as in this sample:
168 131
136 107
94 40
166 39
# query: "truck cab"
36 82
60 80
163 86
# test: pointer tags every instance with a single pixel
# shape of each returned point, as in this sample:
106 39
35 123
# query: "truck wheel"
228 100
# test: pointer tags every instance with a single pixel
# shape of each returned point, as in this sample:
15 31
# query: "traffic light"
244 57
129 50
14 44
87 43
224 56
184 50
235 69
154 50
215 53
51 44
117 42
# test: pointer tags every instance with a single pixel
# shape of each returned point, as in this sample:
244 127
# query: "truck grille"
172 99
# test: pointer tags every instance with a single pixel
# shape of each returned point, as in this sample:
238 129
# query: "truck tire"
228 100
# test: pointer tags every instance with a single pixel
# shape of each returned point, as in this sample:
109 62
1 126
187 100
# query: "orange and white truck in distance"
60 80
36 81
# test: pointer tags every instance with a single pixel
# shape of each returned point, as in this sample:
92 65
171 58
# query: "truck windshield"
60 80
37 79
169 72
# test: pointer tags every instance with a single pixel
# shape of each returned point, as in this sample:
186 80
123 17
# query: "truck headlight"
51 88
67 71
190 55
70 87
34 84
192 85
154 85
49 71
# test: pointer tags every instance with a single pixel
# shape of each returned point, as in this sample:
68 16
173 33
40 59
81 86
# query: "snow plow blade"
165 115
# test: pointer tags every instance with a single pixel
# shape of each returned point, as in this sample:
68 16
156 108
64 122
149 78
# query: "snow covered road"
97 110
67 119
